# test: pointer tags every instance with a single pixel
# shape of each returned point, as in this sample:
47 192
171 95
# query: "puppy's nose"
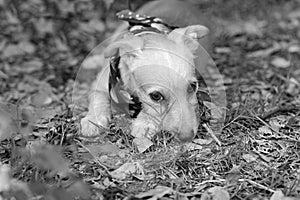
187 136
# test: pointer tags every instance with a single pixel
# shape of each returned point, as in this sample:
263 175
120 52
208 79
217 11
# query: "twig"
270 127
240 180
212 134
257 184
288 108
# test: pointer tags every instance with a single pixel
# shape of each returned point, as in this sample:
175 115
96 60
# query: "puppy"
151 68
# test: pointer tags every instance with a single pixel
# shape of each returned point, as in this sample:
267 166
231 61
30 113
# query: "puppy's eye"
156 96
192 87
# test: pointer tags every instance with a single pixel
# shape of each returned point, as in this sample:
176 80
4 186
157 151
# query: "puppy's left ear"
189 35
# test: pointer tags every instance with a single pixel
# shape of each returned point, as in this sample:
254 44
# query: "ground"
257 155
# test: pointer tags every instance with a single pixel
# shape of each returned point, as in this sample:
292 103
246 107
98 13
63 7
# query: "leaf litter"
257 156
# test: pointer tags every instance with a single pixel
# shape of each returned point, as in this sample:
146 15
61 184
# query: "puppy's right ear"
189 35
129 46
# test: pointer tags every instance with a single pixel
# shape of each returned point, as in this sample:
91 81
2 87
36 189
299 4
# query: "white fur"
153 62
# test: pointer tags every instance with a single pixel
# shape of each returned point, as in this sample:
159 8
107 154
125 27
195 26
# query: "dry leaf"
203 141
250 157
127 170
94 62
156 193
193 146
8 126
12 50
3 75
32 65
142 143
44 26
60 45
264 52
275 124
97 25
278 195
294 49
5 178
280 62
233 175
41 98
293 87
253 27
224 50
215 193
107 148
265 130
27 47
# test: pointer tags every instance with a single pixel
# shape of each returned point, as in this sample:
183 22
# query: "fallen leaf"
265 130
3 75
142 143
278 195
250 157
280 62
41 98
294 49
127 170
60 45
264 52
156 193
94 62
12 50
8 126
203 141
193 146
44 26
11 19
293 87
275 124
93 26
66 6
233 175
97 25
32 65
215 193
5 178
253 27
223 50
27 47
107 148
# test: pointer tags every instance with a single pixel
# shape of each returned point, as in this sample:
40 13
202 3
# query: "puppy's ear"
130 45
189 35
128 49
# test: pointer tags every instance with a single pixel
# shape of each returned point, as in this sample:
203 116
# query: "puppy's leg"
99 107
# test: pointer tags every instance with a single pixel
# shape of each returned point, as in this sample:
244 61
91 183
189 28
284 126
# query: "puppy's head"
160 70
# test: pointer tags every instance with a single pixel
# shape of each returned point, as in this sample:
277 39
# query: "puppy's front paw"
91 126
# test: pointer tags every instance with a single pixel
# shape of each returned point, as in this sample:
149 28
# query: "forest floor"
257 155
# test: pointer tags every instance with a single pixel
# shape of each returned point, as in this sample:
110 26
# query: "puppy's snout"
187 136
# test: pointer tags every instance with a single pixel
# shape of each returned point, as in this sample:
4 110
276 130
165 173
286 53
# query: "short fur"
153 63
